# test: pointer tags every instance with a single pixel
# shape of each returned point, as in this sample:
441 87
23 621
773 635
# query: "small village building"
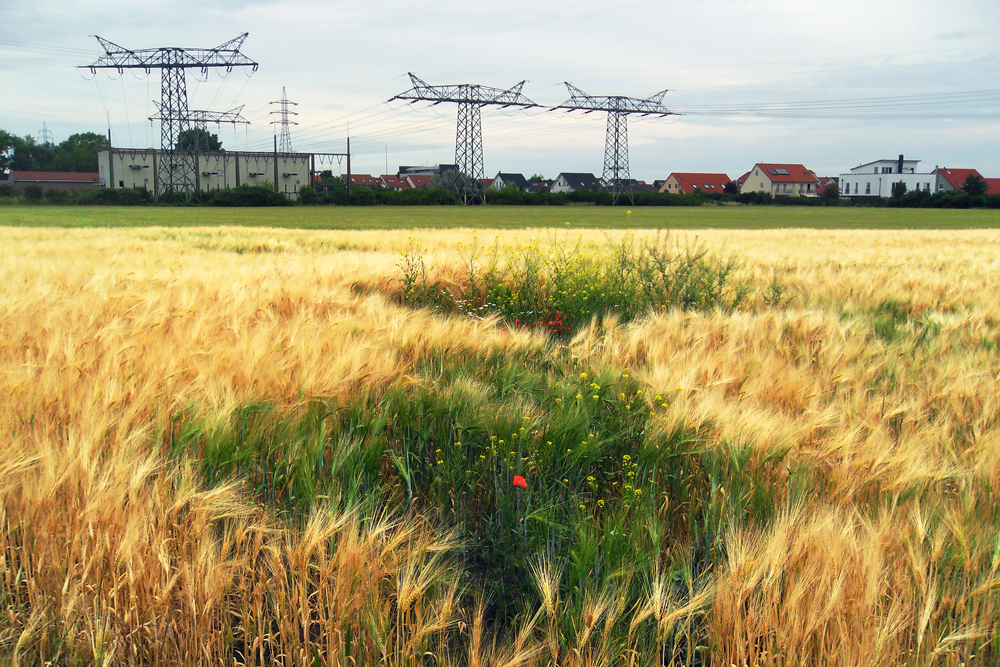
417 181
877 179
953 180
504 180
570 181
62 181
390 182
687 182
366 180
781 180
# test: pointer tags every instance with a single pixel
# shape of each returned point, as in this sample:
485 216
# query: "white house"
570 181
875 179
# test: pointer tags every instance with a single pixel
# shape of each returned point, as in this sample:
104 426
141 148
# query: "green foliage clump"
525 457
564 287
32 192
246 195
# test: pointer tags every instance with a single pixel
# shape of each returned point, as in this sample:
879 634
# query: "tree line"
78 153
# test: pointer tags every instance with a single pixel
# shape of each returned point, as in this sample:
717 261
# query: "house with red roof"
680 182
55 180
391 182
994 184
780 179
366 180
417 181
953 180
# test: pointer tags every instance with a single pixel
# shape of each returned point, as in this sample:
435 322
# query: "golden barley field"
239 446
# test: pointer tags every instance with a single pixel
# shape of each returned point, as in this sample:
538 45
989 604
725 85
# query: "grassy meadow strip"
500 217
238 446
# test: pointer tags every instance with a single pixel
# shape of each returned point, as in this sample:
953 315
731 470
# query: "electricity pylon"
177 171
45 136
471 98
616 175
285 139
200 118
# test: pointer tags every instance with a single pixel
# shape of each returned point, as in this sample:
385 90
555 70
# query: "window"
868 188
856 188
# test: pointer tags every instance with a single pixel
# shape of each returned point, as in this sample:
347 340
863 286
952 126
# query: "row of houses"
125 168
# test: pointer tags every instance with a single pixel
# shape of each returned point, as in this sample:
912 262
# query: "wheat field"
810 481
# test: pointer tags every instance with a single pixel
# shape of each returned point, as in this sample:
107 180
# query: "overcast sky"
741 73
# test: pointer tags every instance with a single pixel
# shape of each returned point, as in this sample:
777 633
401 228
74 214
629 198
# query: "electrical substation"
187 168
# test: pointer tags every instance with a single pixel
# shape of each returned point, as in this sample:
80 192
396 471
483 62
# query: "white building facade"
876 179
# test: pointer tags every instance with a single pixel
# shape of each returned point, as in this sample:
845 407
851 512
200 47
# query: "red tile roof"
957 176
787 173
418 181
688 181
364 179
55 176
741 180
994 184
826 181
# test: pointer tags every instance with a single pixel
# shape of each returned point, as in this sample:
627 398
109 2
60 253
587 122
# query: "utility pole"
470 98
616 172
177 172
285 141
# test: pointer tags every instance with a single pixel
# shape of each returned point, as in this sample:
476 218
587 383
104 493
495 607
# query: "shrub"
114 197
247 195
563 289
32 192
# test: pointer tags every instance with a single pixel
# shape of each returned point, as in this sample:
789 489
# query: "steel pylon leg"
469 153
616 174
177 170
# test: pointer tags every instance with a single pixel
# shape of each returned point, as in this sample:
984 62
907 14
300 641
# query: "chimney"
899 169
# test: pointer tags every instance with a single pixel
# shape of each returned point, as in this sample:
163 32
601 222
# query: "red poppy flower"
520 481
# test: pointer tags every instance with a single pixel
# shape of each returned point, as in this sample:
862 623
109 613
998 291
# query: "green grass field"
503 217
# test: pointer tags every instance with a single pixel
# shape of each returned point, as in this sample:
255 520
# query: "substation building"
123 168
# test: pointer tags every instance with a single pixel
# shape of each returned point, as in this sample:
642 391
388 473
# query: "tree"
731 188
29 155
898 190
831 192
8 142
199 139
79 152
975 185
453 180
536 177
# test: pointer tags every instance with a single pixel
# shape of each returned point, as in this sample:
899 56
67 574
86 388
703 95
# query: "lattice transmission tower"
471 98
285 138
616 174
178 167
200 118
44 135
